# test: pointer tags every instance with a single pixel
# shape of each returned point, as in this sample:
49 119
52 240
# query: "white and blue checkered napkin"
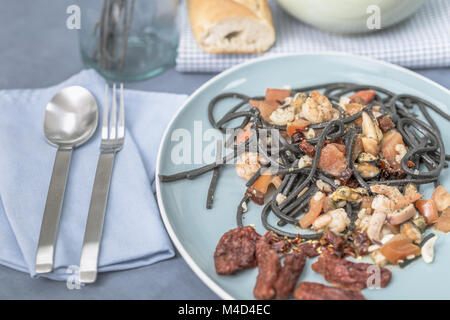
133 234
421 41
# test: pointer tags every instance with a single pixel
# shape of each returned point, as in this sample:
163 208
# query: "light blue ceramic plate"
195 230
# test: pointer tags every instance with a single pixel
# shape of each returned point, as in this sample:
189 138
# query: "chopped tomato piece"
296 125
398 248
264 107
315 208
441 198
271 102
259 188
428 209
276 181
332 159
388 147
276 95
262 183
443 223
363 96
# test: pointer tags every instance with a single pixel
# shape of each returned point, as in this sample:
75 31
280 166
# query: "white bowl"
350 16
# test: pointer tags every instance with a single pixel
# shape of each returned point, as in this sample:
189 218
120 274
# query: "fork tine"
121 126
112 127
105 115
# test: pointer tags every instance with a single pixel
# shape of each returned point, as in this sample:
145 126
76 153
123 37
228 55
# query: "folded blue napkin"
133 234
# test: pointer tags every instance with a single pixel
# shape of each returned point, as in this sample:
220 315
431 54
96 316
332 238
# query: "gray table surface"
37 50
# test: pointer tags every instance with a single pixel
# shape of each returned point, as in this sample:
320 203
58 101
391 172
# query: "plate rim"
189 260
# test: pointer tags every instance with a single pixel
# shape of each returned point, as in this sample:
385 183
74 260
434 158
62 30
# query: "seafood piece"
378 258
323 186
305 161
364 157
329 204
370 127
315 208
412 232
420 222
366 203
247 164
357 147
370 145
282 116
318 291
401 215
362 222
317 108
396 196
428 210
297 101
375 224
343 101
346 193
427 249
335 220
367 171
332 159
441 198
398 248
382 204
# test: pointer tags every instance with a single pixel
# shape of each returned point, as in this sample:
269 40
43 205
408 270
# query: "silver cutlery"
112 141
71 118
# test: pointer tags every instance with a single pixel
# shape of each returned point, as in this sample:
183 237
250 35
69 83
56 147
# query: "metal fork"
112 141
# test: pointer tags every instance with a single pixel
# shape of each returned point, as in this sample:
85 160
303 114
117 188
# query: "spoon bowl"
70 117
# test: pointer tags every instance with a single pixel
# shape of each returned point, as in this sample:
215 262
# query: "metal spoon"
71 118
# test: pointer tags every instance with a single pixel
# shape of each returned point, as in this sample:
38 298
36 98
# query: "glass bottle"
128 40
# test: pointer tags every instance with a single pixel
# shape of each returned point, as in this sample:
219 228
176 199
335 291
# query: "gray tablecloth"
37 51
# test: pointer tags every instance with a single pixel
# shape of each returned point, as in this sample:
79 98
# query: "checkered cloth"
421 41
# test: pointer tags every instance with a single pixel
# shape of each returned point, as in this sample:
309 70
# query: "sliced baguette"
231 26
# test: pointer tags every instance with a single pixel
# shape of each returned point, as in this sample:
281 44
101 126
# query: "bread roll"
232 26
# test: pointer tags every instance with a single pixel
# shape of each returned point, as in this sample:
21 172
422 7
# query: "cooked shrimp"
247 165
317 108
395 195
375 225
382 204
332 159
336 221
393 148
